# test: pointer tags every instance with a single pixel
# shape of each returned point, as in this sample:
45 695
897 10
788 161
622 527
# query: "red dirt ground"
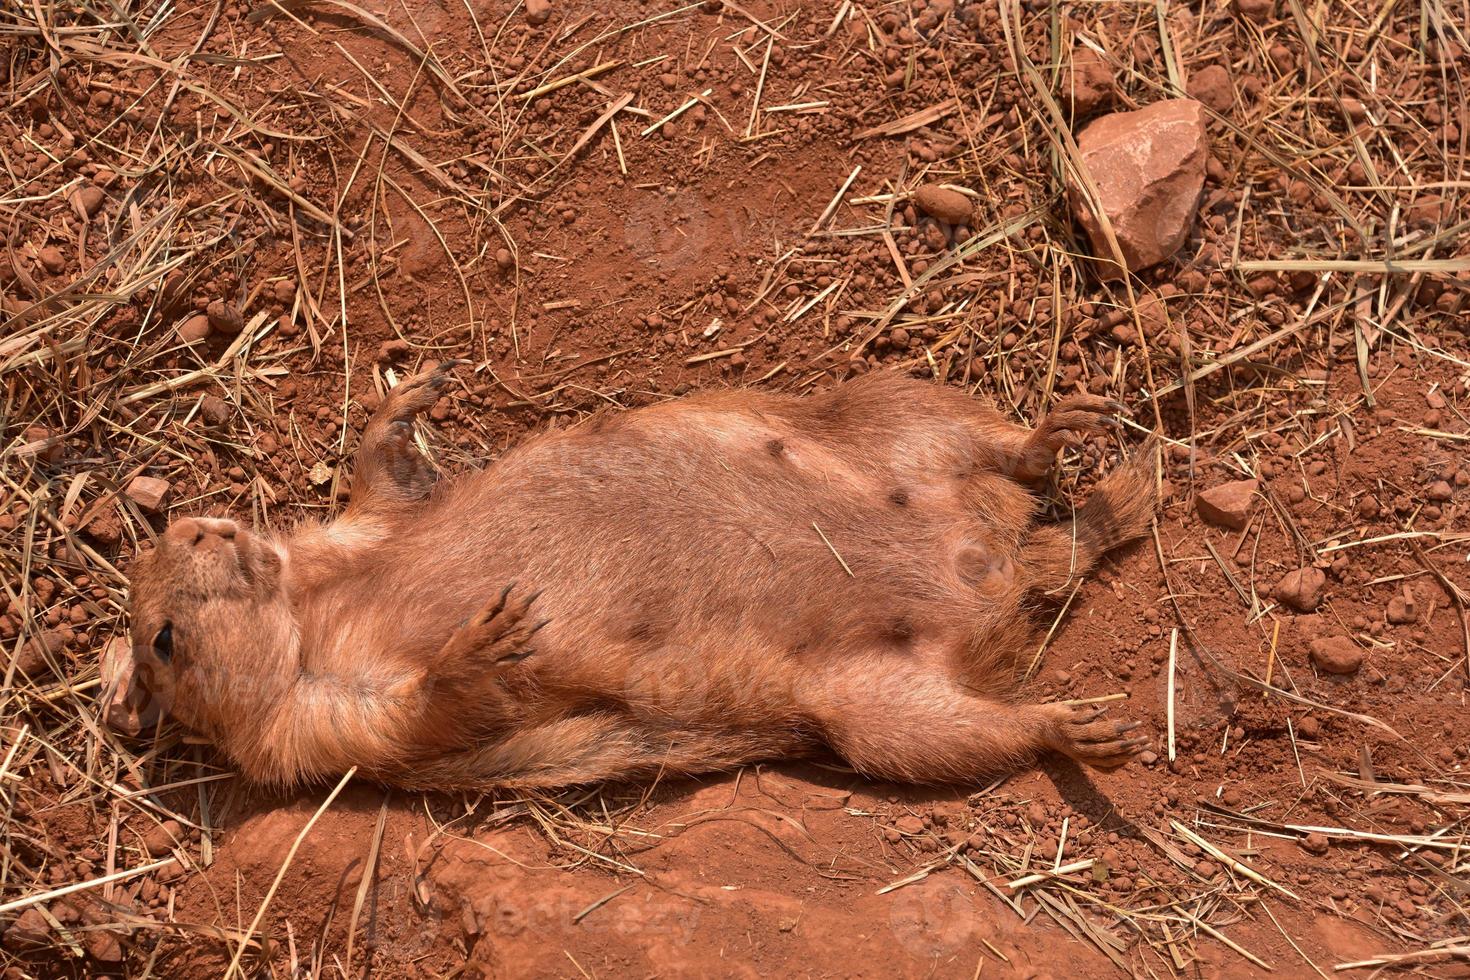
372 186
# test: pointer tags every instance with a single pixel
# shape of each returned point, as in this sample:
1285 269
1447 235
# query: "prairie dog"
718 579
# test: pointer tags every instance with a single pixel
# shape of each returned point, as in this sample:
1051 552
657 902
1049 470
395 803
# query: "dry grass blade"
1405 959
1232 861
369 875
46 896
911 122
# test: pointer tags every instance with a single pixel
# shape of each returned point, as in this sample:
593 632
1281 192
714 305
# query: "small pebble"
51 259
87 199
943 204
225 318
195 329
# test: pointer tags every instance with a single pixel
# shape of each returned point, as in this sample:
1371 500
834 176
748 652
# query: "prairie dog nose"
194 531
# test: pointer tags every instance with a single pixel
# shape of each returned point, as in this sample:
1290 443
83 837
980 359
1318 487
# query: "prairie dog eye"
163 643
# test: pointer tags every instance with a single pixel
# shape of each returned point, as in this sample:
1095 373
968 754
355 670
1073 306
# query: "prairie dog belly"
717 547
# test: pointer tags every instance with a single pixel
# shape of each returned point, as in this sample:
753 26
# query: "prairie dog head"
213 635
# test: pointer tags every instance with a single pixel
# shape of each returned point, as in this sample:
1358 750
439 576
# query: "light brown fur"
694 616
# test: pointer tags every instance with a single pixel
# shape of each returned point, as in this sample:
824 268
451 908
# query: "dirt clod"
87 199
214 410
1301 589
1089 82
1403 608
51 259
48 444
1337 655
163 838
28 931
103 946
1212 86
105 527
39 653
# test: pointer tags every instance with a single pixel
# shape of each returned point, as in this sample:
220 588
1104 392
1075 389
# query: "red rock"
1426 212
149 493
1301 589
225 318
1149 170
1212 86
1286 63
944 204
538 11
1263 285
909 824
1089 83
1229 504
195 329
1440 491
1315 843
1337 655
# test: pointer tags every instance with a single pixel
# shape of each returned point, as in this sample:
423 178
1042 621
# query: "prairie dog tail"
1118 510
